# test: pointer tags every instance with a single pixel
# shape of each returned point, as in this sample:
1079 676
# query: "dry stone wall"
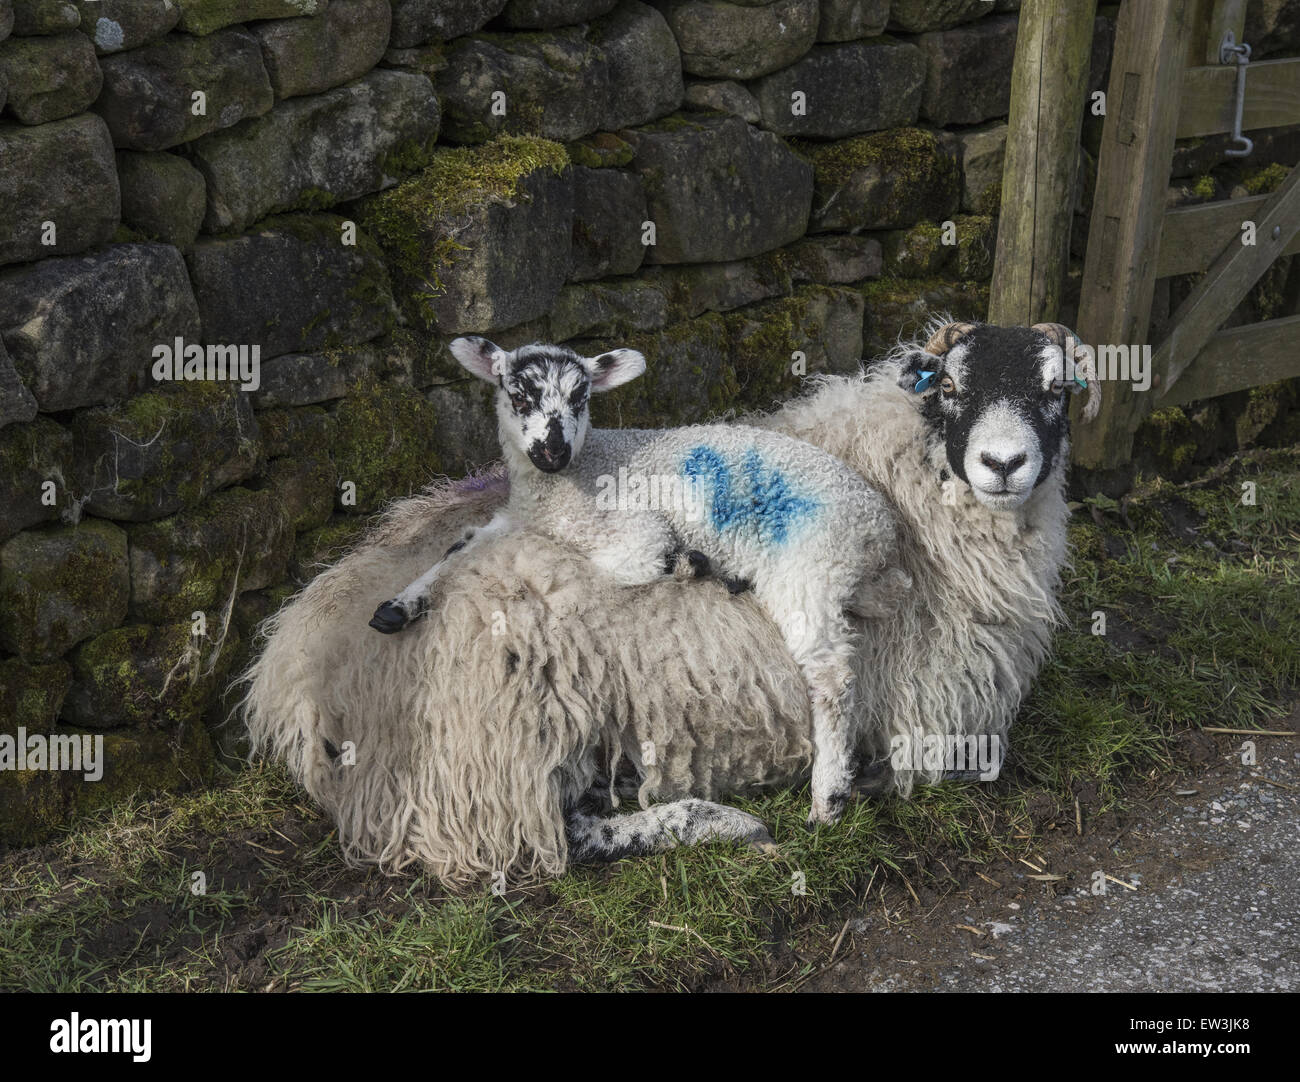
236 237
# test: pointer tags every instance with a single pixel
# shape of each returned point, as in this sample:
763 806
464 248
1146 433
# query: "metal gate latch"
1232 53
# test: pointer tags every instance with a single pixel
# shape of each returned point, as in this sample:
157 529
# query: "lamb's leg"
662 827
830 686
413 602
819 640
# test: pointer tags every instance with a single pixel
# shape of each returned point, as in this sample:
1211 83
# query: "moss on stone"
918 251
600 150
288 430
417 221
304 487
141 675
32 453
32 695
60 586
898 176
763 339
1268 297
314 199
989 201
124 234
165 449
408 156
689 376
190 561
899 307
902 150
385 443
977 237
1204 187
204 16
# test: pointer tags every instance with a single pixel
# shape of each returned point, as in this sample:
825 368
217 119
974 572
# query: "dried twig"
835 947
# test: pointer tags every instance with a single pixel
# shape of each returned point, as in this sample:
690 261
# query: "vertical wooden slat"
1226 15
1200 17
1049 83
1128 210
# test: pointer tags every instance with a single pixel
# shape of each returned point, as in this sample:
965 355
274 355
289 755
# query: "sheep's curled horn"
946 337
1060 336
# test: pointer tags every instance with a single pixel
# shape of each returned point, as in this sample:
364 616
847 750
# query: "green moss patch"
142 675
385 444
415 221
32 695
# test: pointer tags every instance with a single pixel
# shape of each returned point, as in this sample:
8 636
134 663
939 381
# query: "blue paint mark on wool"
752 498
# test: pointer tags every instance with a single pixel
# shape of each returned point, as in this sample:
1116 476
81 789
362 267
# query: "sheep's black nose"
1004 466
548 457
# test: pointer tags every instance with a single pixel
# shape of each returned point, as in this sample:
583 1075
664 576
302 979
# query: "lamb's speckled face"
998 399
543 394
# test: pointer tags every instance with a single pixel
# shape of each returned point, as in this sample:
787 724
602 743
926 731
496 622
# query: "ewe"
478 741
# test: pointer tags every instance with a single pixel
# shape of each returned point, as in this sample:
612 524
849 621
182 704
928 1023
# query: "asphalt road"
1213 855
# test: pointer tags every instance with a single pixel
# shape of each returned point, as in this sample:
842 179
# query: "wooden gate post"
1128 210
1049 84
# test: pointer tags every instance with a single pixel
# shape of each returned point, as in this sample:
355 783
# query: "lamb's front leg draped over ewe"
807 532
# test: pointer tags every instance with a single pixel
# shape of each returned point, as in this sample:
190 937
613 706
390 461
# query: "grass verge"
1200 591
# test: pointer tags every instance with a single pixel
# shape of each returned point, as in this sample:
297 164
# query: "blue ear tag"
1083 383
923 384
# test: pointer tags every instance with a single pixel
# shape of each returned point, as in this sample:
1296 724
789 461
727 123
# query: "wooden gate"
1168 82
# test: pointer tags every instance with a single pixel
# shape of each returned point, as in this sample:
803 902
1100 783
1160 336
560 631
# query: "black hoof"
389 618
699 562
736 586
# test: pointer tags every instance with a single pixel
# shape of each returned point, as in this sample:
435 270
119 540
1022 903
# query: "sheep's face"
543 394
999 399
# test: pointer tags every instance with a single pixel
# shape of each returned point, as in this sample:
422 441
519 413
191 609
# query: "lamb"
492 766
764 510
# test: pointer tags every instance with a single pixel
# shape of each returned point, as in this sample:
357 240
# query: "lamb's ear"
479 356
615 368
919 371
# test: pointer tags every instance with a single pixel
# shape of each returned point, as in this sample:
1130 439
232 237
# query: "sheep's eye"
946 385
519 402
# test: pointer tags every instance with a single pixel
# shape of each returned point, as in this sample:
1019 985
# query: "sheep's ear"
485 359
615 368
919 371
